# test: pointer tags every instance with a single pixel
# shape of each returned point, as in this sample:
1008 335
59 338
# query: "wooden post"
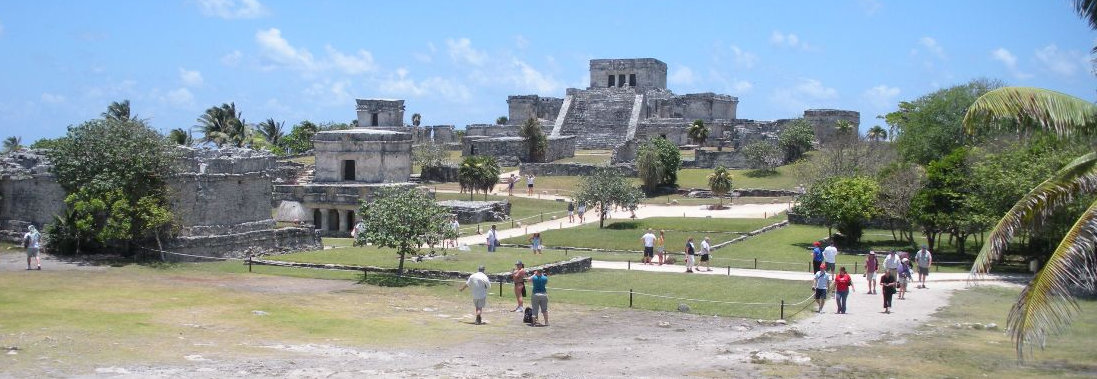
630 297
542 216
249 262
500 289
755 263
729 270
630 264
782 310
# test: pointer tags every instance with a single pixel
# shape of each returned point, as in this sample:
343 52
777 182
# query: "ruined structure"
628 100
221 200
388 115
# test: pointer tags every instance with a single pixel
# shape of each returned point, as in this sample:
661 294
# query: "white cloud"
528 78
190 78
461 50
932 46
881 96
52 98
126 89
741 86
870 6
790 40
808 93
743 58
401 84
232 59
682 76
1061 62
278 50
1010 61
352 64
521 42
180 97
232 9
331 93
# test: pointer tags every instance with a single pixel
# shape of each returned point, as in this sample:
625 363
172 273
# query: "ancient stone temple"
386 114
628 100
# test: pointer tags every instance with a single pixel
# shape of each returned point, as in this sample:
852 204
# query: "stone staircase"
600 118
559 124
634 120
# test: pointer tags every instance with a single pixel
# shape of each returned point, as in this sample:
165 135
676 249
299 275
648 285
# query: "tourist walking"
582 211
518 276
649 246
492 239
904 278
540 296
510 184
529 184
816 257
480 285
888 283
455 229
706 249
661 246
690 252
843 283
32 241
871 265
535 244
819 284
924 259
891 262
571 212
830 257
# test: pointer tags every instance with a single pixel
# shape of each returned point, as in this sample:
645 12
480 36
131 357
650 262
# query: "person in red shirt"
843 283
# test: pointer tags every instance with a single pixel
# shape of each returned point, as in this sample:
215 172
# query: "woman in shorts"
535 244
904 278
661 246
871 265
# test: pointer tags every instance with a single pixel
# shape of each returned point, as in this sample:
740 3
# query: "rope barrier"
193 256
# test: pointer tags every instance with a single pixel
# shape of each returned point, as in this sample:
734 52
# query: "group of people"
573 212
898 273
656 247
479 283
515 178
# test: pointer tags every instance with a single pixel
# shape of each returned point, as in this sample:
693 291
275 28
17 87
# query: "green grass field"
500 261
698 178
625 234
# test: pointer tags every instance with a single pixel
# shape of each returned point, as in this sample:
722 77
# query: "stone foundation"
239 245
513 149
439 174
475 212
573 169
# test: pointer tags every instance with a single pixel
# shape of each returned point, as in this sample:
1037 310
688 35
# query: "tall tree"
948 202
118 111
929 127
502 120
796 139
763 156
416 119
13 143
224 125
607 189
403 219
1047 304
299 139
649 165
719 181
845 203
536 141
478 173
876 133
180 137
698 132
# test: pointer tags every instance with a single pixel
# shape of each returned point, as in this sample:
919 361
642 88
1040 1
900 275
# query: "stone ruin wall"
824 120
574 169
510 151
389 112
649 73
523 107
221 199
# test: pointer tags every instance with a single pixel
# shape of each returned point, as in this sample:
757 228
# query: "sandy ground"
581 342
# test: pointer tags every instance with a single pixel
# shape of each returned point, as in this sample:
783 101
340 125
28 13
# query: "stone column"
343 227
324 219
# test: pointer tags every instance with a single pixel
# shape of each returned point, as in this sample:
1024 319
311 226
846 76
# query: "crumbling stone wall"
524 107
385 112
824 121
513 149
646 72
28 193
573 169
731 159
378 156
475 212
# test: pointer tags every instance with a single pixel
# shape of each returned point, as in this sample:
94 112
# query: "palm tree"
13 143
876 134
502 120
221 125
698 132
1046 304
118 111
478 173
181 137
536 141
719 181
271 131
415 119
844 127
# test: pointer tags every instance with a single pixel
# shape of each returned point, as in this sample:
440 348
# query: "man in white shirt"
819 285
649 246
706 248
891 263
492 239
924 259
830 257
479 284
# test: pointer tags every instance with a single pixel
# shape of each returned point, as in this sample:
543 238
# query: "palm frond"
1056 112
1077 177
1046 305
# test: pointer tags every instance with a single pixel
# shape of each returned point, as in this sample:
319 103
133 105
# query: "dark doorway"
621 80
373 119
632 80
348 170
333 219
612 81
350 219
317 218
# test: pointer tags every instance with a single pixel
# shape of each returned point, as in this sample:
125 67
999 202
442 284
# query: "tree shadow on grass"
392 280
761 173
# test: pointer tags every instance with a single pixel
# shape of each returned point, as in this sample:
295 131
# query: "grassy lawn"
500 261
698 178
307 160
625 234
520 207
685 200
588 157
943 352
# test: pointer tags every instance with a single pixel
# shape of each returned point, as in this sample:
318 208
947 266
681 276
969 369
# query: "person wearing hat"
519 278
871 265
904 277
480 285
32 241
706 249
816 257
819 284
540 297
924 259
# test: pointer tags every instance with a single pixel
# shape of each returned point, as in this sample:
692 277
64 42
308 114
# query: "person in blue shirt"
816 257
540 296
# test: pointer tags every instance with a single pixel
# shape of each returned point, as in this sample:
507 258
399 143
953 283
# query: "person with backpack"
904 278
540 296
32 241
816 257
690 253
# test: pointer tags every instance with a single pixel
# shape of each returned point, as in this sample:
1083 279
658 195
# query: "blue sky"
63 62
